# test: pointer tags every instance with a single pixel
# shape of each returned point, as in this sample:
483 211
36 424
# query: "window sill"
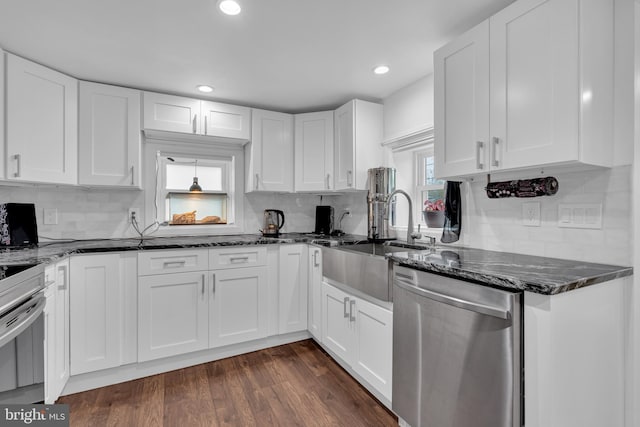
198 230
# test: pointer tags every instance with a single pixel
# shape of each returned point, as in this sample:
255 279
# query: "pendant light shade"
195 187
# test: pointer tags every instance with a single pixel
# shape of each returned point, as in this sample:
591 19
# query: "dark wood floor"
291 385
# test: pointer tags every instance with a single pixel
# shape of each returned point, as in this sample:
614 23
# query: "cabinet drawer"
178 261
234 257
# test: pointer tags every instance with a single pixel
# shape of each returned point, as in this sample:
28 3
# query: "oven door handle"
16 321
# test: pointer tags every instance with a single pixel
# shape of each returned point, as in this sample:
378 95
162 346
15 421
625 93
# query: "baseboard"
106 377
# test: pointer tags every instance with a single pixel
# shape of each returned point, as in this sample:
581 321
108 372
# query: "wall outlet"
531 214
134 213
50 216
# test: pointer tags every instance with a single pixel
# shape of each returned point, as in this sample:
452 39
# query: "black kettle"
273 222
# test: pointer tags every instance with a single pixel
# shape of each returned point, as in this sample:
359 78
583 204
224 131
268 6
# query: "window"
428 188
183 206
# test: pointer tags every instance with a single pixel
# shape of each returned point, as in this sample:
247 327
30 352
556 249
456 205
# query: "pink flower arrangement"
430 206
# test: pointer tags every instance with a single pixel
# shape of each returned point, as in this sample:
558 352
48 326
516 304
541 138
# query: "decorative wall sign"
523 188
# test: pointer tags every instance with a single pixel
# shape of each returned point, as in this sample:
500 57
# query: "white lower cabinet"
372 352
239 305
56 336
172 314
102 309
314 305
337 329
292 301
225 301
361 334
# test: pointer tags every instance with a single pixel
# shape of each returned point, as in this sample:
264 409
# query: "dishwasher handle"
456 302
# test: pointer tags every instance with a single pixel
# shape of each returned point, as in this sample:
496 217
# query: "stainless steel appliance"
21 334
381 183
273 222
457 352
324 220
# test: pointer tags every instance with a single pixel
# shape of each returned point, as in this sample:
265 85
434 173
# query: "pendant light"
195 187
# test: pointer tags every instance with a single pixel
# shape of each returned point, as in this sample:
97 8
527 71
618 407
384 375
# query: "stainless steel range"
22 302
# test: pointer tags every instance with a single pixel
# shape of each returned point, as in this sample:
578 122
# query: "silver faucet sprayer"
411 236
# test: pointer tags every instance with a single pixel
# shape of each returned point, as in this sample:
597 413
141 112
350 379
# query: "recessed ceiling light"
381 69
204 88
229 7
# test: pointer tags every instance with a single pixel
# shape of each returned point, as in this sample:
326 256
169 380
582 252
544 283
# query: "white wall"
496 224
409 109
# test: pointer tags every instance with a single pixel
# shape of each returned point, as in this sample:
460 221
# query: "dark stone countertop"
510 271
548 276
47 252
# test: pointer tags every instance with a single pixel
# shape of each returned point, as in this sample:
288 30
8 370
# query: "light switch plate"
531 214
580 215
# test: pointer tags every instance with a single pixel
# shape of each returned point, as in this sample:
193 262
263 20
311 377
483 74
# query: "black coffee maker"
324 220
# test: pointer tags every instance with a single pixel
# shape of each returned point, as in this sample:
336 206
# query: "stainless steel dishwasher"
457 352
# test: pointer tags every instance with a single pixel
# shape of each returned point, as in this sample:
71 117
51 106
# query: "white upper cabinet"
187 115
461 87
314 151
171 113
357 143
223 120
109 144
42 123
269 155
550 76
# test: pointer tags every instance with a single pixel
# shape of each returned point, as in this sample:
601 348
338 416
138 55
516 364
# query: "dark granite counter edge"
54 252
510 282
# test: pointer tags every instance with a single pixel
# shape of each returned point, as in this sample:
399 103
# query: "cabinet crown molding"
411 140
214 141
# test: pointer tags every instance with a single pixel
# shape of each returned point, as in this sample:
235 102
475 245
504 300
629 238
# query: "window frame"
155 153
420 186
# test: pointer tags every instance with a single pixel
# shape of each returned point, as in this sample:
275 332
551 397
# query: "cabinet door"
95 310
171 113
293 288
62 357
314 151
224 120
270 156
535 83
344 162
109 135
172 314
42 123
314 318
2 115
461 96
373 347
50 345
239 304
337 330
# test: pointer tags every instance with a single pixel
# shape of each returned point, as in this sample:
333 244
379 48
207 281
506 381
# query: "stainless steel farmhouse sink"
363 266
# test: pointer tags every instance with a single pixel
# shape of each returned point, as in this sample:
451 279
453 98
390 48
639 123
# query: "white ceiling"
286 55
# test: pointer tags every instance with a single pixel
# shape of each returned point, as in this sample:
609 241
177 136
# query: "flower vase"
434 219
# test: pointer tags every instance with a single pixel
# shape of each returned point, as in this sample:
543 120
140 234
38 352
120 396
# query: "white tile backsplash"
493 224
82 213
496 224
